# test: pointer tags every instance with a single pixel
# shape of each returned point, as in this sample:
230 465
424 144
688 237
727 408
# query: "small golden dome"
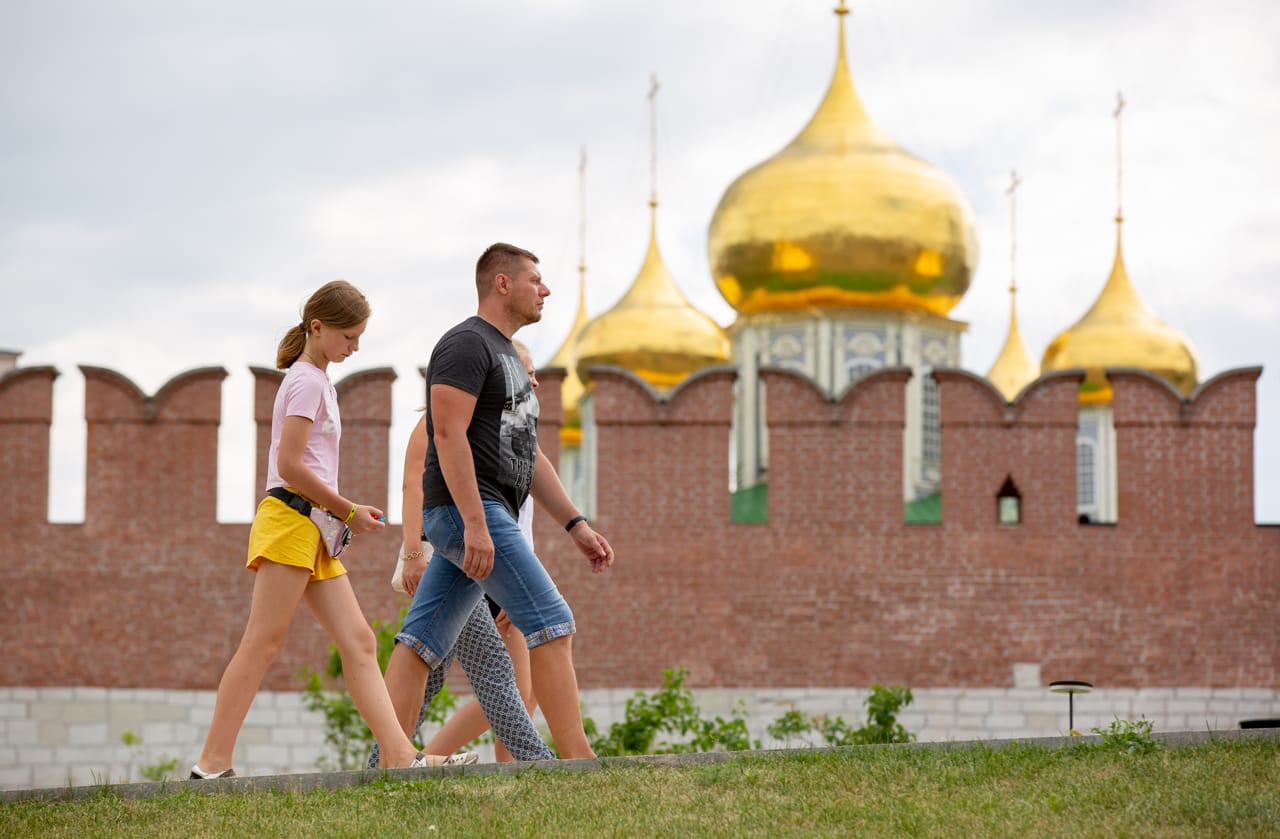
842 217
653 331
1120 330
571 391
1013 369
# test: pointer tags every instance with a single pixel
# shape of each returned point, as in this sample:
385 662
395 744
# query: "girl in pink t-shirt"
285 549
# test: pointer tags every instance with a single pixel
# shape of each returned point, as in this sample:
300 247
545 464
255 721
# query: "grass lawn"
1224 788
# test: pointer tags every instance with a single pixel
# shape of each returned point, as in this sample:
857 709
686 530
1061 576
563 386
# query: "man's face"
526 292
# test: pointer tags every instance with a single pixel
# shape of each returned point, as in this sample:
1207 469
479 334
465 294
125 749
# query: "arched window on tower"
1009 503
1086 476
931 429
1096 466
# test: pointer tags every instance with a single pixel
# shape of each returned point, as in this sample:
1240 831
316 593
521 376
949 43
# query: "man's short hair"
499 258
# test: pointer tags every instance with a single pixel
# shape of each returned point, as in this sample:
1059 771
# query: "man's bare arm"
549 494
451 412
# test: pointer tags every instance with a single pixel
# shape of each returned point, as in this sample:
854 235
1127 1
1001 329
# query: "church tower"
1119 330
572 469
653 330
842 254
1013 368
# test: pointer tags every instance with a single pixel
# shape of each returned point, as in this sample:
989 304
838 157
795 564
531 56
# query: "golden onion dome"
653 331
1120 330
571 390
1013 369
842 217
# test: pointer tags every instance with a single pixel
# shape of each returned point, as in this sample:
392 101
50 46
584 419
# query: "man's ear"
501 283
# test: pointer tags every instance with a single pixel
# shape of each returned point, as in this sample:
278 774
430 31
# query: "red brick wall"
26 412
835 590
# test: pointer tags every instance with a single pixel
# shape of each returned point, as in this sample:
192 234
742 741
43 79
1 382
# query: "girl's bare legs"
334 604
556 684
277 589
469 721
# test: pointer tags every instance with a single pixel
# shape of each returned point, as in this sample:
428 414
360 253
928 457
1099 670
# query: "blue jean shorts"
445 596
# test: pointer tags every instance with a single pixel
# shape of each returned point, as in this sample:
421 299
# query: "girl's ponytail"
291 346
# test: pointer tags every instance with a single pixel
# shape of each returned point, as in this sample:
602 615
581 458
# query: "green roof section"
750 505
927 510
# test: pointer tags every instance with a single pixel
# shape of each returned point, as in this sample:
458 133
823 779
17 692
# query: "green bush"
672 712
1132 737
669 721
883 705
158 771
882 725
344 730
792 725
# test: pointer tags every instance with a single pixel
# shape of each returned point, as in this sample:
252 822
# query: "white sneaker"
461 759
455 759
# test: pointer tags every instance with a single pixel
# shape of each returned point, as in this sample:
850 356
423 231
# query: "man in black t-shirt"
482 461
479 360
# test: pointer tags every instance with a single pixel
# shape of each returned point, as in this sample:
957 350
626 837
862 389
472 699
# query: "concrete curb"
308 782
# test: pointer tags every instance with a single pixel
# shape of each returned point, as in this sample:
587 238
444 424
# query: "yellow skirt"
280 534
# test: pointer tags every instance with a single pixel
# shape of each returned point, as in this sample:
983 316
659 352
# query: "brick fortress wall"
835 590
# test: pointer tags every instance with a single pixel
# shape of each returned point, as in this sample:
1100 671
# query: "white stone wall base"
55 737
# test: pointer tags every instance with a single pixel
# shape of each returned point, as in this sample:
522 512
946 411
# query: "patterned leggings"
485 660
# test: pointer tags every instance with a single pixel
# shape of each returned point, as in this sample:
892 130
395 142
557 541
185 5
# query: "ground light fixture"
1071 687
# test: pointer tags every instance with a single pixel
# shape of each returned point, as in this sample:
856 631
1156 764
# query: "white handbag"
397 578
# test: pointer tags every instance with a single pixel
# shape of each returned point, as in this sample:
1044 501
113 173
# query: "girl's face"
333 343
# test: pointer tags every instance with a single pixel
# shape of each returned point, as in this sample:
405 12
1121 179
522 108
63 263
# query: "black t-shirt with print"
475 357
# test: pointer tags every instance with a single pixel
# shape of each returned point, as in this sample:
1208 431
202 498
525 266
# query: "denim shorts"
445 596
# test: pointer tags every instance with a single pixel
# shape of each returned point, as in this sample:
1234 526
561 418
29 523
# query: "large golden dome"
842 216
1120 330
653 331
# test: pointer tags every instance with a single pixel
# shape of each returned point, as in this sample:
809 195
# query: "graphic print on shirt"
518 442
331 424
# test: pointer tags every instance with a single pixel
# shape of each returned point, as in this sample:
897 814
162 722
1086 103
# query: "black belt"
294 500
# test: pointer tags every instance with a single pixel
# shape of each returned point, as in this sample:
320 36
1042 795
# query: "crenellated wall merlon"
266 381
366 396
1227 399
26 395
550 389
969 399
619 397
194 397
875 399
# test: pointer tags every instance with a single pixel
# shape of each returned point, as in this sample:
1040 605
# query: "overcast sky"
177 177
